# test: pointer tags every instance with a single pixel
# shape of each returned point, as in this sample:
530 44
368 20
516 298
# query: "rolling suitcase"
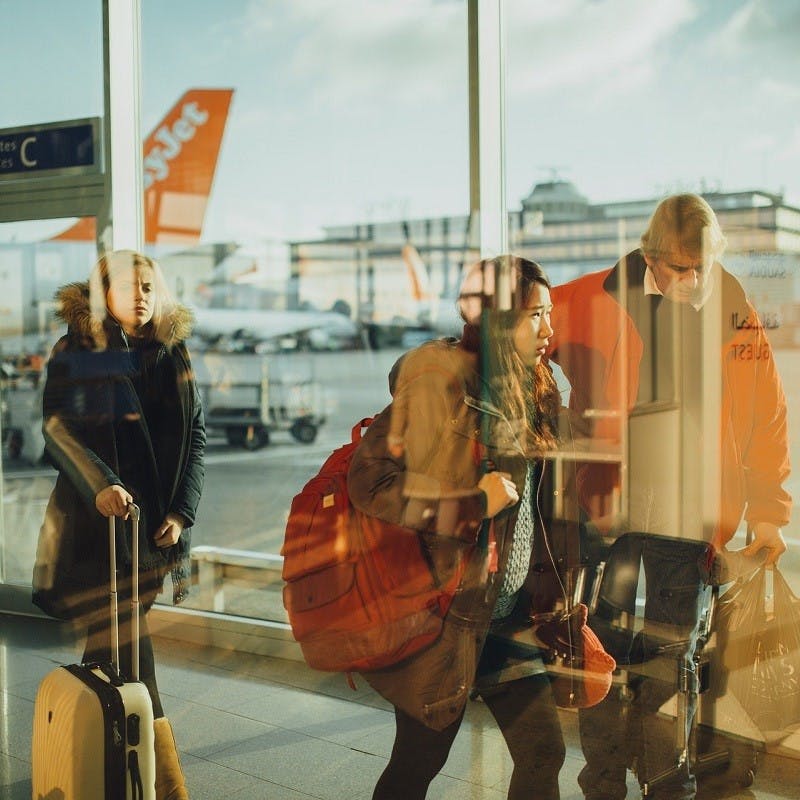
93 729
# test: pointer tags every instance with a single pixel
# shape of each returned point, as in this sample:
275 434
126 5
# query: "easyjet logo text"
171 138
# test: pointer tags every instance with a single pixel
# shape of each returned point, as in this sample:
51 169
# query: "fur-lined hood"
75 309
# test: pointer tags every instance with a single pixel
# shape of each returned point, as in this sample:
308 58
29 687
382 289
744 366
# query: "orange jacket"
592 331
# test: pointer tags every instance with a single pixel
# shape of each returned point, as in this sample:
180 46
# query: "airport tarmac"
247 494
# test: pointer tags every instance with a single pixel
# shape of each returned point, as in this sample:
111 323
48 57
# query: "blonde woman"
123 423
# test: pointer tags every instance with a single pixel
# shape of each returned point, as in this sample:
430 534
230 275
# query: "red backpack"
360 592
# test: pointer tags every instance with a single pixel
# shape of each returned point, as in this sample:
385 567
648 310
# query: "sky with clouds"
356 110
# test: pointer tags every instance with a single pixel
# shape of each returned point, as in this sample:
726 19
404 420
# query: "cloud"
771 27
579 43
758 143
353 51
781 90
259 18
349 96
347 51
791 147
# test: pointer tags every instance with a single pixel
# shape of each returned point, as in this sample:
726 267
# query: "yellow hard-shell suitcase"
93 729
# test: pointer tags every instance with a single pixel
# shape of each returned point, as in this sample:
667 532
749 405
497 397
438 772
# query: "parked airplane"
268 330
431 315
439 313
180 158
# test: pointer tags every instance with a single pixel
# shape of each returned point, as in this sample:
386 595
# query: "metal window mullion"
487 124
124 80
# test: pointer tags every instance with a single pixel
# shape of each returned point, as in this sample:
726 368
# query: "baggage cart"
249 395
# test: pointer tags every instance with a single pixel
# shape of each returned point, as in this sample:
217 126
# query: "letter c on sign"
23 152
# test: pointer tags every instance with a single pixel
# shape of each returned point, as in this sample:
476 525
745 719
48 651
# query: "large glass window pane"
49 76
32 267
331 219
613 107
607 115
50 79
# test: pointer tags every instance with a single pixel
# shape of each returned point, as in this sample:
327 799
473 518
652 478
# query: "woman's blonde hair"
111 264
685 221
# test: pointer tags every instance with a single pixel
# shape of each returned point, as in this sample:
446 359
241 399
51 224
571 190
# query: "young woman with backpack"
457 456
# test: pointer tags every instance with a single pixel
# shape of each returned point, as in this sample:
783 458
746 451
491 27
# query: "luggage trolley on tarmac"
249 395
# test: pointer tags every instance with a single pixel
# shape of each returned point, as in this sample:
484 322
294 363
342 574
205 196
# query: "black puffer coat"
126 412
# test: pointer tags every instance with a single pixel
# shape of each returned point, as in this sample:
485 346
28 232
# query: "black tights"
528 719
418 754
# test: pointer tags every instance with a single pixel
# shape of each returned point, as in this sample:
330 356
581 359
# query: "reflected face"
533 331
130 298
679 275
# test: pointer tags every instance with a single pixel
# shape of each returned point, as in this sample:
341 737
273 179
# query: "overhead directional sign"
57 148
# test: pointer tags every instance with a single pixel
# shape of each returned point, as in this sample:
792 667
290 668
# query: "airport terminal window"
609 110
50 77
53 63
323 213
602 105
307 177
32 267
325 230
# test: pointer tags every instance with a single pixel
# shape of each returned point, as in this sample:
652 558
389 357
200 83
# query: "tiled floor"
256 728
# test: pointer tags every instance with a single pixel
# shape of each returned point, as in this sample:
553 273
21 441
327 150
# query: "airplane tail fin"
180 158
84 230
417 275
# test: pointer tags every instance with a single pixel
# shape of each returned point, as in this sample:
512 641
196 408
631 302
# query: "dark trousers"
528 719
98 639
618 731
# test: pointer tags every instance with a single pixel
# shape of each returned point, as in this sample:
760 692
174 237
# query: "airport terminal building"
555 225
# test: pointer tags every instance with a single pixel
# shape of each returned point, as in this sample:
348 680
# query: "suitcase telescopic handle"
133 512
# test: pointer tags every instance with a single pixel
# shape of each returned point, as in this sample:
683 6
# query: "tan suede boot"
169 776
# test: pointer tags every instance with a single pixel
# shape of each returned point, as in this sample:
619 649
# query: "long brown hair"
527 396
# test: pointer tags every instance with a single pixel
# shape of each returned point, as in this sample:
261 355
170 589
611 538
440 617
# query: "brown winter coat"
438 413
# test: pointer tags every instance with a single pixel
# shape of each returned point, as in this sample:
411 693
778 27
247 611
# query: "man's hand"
769 537
170 530
113 501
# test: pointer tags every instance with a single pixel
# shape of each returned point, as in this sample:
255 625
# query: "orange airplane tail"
180 158
417 276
